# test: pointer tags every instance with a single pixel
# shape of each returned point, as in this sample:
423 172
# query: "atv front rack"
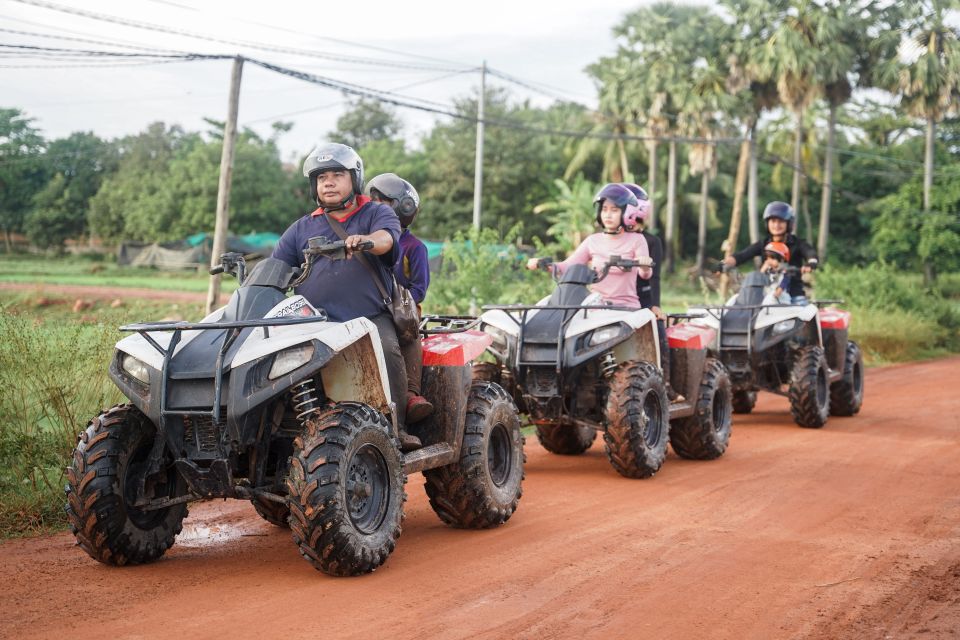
447 324
232 331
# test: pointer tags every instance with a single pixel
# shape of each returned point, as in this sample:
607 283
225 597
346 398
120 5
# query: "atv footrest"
214 481
435 455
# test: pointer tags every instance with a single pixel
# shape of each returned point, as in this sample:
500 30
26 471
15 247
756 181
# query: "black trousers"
396 371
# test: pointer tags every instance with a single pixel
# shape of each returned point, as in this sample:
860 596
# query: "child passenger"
776 254
620 286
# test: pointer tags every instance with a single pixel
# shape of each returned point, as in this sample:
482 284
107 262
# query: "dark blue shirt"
413 267
344 288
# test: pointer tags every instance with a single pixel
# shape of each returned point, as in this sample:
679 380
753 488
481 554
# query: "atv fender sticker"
454 349
832 318
690 336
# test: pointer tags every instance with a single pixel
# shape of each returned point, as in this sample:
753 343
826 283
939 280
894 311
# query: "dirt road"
852 531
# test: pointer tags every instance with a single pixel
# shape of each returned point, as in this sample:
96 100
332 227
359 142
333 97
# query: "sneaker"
418 408
409 442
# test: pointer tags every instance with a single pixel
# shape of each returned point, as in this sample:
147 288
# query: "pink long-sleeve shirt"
619 287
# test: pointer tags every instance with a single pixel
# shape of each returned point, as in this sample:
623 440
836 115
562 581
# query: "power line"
85 40
340 102
253 45
35 50
378 95
326 38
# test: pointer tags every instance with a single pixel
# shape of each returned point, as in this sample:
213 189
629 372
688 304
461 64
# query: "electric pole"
223 190
478 168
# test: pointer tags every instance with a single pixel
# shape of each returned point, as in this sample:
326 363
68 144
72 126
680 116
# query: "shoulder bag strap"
339 230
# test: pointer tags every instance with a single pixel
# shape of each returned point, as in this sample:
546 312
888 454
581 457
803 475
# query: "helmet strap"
338 207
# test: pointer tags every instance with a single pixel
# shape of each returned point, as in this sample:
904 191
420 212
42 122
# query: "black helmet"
332 155
781 210
399 193
618 195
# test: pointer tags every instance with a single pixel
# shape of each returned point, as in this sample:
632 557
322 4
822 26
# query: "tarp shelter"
192 252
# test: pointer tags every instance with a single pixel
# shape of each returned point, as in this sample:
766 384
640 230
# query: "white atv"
577 366
798 351
265 400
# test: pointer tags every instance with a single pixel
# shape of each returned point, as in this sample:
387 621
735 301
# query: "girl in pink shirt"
620 286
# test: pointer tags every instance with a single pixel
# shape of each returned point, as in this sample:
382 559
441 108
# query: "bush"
481 268
908 310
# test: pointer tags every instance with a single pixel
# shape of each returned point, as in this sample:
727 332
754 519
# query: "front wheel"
345 490
846 394
482 488
706 434
638 424
103 482
809 388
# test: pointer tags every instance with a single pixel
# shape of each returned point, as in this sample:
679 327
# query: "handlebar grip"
366 245
217 269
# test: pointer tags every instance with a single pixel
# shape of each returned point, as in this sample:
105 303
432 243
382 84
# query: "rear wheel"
846 394
638 424
810 389
565 440
482 488
346 490
276 513
744 401
705 435
102 487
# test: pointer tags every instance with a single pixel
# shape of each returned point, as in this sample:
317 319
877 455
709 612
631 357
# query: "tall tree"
22 171
79 163
791 56
367 121
928 83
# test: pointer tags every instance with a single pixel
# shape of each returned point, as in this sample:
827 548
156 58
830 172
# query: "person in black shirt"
779 220
635 219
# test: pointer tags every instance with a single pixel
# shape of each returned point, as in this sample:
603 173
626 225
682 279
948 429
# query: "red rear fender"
690 336
832 318
454 349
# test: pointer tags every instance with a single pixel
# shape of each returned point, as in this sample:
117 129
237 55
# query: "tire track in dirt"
848 531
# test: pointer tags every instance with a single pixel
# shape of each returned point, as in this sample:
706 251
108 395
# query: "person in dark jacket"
412 271
779 220
648 291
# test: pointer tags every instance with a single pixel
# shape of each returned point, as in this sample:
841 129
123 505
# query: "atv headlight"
499 337
604 334
136 368
783 327
290 359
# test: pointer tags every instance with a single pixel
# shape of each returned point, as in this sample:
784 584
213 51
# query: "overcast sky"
541 42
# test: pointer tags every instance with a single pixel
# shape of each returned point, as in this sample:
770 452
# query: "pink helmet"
638 213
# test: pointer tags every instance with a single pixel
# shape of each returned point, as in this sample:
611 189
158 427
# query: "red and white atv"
578 366
802 352
268 401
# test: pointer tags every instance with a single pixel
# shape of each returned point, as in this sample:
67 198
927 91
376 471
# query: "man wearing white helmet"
346 289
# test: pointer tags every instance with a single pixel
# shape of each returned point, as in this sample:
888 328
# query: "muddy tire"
564 440
846 394
482 489
706 434
345 488
744 401
273 512
638 425
102 486
809 389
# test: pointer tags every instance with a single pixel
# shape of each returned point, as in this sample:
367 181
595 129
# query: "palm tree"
791 56
929 81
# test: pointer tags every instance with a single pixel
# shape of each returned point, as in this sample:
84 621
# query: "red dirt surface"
851 531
